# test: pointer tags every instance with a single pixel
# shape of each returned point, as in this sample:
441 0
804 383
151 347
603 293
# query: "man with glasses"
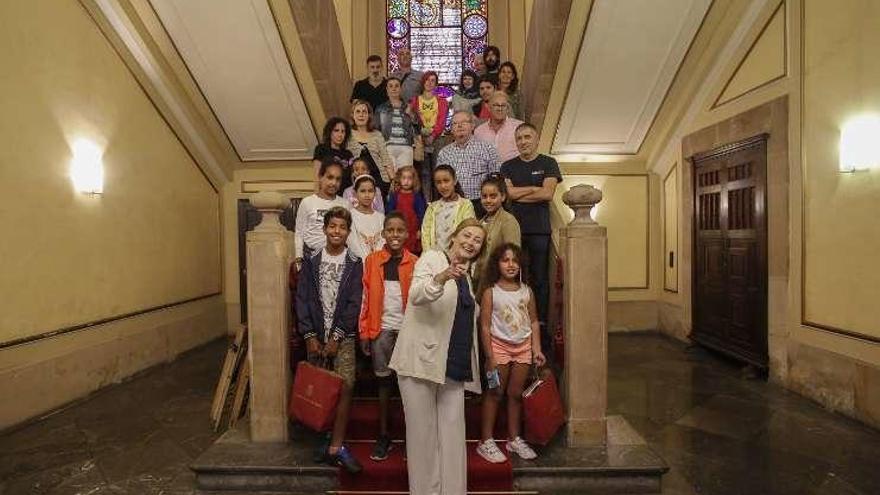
500 129
472 159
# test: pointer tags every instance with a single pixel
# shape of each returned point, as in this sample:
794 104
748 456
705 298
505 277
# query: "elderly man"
500 128
531 183
410 80
472 159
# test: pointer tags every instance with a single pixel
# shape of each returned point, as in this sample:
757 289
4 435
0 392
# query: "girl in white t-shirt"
366 226
511 339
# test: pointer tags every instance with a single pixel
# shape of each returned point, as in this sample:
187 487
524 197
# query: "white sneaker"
521 448
489 451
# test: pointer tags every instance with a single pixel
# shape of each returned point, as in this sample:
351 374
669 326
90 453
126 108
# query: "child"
328 301
387 277
501 226
406 199
358 168
366 231
309 235
443 215
511 340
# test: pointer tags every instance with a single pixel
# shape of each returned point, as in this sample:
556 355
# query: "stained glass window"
443 35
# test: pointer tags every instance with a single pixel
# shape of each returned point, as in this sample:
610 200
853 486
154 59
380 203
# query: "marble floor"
720 434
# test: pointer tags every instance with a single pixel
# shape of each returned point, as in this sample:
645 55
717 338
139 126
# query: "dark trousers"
537 250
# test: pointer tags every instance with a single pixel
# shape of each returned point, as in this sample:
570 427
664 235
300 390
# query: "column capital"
582 198
270 204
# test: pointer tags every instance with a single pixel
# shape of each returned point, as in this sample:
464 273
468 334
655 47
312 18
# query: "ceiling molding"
628 60
110 15
235 53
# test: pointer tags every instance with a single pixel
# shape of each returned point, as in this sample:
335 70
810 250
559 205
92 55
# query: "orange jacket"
370 324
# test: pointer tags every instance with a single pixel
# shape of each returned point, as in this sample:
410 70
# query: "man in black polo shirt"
531 182
371 88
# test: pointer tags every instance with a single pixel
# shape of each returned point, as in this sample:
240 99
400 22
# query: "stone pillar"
269 254
586 320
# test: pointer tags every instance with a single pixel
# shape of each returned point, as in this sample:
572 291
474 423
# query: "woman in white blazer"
436 359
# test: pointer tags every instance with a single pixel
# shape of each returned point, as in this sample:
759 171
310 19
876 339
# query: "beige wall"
152 239
820 225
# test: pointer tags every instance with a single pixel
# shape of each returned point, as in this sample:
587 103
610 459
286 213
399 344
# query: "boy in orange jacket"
387 276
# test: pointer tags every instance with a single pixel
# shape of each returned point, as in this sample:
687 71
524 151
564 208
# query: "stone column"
269 254
586 320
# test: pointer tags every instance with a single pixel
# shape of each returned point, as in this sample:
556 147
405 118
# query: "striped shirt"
472 162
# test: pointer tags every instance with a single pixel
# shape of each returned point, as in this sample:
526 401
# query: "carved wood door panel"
730 247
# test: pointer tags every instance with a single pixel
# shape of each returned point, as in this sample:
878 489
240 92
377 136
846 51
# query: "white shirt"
510 314
366 233
309 227
329 277
392 306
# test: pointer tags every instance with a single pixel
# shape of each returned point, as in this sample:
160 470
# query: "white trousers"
401 155
435 439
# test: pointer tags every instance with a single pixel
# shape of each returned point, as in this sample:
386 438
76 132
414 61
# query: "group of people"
421 284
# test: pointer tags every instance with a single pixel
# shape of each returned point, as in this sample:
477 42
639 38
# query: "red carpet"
390 474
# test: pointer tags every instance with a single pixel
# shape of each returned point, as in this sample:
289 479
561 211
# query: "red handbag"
314 396
542 410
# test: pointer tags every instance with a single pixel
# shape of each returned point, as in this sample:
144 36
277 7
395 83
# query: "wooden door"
248 218
730 246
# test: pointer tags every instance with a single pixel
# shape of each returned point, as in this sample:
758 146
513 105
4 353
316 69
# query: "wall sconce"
860 143
86 169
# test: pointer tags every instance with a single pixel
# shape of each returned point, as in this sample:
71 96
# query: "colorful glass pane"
475 26
398 28
397 8
424 13
444 35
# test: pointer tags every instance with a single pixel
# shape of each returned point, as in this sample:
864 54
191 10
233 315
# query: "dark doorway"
248 218
730 246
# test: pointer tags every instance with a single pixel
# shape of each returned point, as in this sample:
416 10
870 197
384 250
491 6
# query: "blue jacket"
310 311
419 204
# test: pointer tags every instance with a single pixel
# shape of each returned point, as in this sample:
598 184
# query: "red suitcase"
314 396
542 410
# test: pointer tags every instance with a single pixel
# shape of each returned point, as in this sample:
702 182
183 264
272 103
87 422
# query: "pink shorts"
509 352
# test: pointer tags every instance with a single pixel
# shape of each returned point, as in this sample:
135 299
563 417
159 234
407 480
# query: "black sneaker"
383 446
345 459
320 454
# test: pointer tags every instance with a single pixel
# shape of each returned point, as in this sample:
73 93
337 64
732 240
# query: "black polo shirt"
534 218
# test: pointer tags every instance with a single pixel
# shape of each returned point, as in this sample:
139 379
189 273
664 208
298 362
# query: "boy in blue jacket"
328 303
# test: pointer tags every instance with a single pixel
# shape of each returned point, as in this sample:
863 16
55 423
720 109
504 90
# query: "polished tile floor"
719 433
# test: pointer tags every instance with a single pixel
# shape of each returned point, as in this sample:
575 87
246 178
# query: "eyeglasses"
499 105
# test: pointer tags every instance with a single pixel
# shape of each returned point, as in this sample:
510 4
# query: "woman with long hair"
431 112
333 145
508 81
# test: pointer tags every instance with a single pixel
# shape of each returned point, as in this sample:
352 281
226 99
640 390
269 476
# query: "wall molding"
96 323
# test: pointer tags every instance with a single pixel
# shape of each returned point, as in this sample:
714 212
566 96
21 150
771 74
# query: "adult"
531 183
431 112
436 360
337 132
508 81
371 88
479 65
468 93
369 144
410 79
397 125
481 108
500 128
492 61
472 159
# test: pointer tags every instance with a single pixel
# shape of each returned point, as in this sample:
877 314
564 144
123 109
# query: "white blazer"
423 342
